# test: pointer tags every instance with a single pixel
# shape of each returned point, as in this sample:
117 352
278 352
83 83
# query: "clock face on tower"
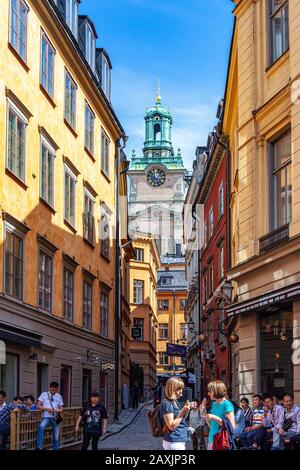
156 177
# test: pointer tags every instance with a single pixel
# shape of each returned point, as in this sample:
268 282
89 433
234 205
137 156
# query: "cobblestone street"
137 436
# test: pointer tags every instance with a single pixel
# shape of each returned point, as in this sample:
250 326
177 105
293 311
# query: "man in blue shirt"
5 412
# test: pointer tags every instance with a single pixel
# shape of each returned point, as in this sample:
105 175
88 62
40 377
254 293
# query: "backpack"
157 425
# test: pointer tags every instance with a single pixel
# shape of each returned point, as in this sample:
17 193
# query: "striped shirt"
258 416
248 416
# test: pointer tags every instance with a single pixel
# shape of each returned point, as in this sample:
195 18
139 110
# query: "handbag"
221 439
57 416
288 423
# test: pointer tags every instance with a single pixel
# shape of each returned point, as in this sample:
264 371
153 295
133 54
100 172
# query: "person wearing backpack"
221 409
174 417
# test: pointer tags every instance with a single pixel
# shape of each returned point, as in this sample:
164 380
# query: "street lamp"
227 289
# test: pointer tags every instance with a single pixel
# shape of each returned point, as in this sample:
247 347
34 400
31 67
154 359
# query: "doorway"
66 384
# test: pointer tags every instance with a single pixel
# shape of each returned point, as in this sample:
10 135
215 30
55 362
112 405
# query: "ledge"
18 57
46 94
71 129
16 179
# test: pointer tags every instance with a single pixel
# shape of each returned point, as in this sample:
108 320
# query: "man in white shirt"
51 404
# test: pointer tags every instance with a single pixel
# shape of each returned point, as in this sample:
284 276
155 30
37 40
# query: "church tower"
157 184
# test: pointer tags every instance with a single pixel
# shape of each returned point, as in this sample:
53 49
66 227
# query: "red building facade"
213 259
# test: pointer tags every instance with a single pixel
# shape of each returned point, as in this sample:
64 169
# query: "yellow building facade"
57 196
171 303
143 307
261 121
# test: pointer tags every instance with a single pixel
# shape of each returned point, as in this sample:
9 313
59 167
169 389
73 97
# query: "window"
18 27
205 286
90 45
105 152
163 331
9 376
138 291
221 200
104 312
163 305
105 83
72 15
139 254
47 72
279 28
45 281
47 172
87 301
163 359
103 389
205 234
166 281
211 222
183 303
281 182
138 323
86 385
221 261
16 142
70 193
105 233
66 384
68 294
70 100
183 332
211 278
88 217
89 129
13 264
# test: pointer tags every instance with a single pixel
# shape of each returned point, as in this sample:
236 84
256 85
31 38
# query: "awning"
14 334
277 298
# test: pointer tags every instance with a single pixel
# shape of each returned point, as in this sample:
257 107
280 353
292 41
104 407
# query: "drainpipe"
199 309
118 280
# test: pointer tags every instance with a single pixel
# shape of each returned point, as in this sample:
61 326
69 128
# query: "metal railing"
274 238
24 426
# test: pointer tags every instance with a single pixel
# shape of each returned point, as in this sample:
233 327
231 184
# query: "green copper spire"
158 148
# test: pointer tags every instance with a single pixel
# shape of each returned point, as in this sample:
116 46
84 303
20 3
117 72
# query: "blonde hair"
218 389
173 385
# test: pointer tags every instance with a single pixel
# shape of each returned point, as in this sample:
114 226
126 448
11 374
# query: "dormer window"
90 46
105 77
72 16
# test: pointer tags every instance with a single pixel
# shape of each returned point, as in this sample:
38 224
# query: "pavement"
133 432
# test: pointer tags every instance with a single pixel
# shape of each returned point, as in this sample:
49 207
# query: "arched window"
157 132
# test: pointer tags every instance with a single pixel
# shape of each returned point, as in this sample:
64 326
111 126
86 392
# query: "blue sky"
183 42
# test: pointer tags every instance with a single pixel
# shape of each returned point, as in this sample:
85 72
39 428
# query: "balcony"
274 238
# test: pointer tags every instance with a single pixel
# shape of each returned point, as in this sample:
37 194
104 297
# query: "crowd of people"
93 418
268 424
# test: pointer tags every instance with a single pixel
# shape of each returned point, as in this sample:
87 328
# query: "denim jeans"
278 439
45 423
252 437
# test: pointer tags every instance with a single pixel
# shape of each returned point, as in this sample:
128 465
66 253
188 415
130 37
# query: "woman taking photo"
221 408
174 416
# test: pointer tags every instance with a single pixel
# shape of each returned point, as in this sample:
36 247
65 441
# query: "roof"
178 280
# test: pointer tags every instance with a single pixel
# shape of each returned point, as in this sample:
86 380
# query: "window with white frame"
47 66
104 311
281 181
221 260
139 254
205 234
45 280
105 83
163 331
90 46
138 291
16 141
183 331
205 287
183 303
87 304
221 200
47 172
68 294
211 222
105 144
163 359
138 324
13 262
18 27
163 305
70 100
104 233
89 129
279 28
166 280
88 217
72 16
70 196
211 278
